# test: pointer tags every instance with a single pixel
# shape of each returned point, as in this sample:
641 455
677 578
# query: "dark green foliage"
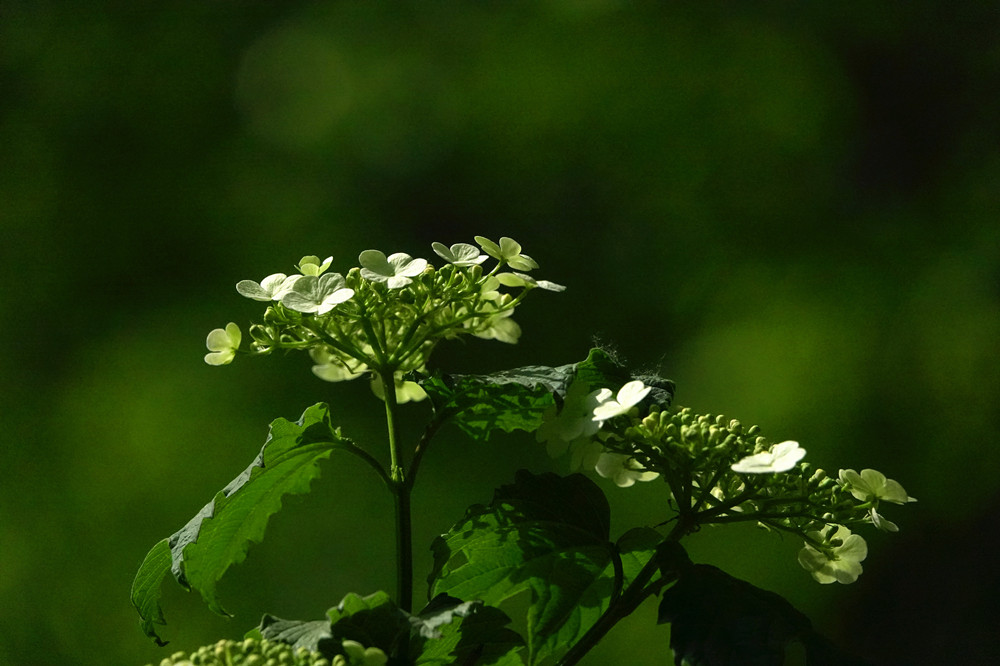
717 620
544 534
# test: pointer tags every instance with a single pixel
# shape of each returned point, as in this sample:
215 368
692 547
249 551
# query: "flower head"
508 251
871 485
780 458
622 469
460 254
271 288
395 271
317 294
629 395
223 343
840 561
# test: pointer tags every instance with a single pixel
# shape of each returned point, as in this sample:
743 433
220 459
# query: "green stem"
633 596
401 497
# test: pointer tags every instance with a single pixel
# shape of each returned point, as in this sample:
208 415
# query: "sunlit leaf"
221 533
547 535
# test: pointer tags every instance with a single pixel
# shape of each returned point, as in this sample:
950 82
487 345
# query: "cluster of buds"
253 652
720 471
384 317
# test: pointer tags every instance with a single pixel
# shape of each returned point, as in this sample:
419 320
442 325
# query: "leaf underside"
220 535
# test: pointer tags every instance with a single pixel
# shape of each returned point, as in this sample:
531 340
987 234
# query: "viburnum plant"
544 534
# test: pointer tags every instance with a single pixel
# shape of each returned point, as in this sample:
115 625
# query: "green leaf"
452 631
373 621
545 534
221 533
146 588
718 619
314 635
515 399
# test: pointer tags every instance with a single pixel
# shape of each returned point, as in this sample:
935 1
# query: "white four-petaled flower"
271 288
622 469
841 562
509 251
871 484
629 395
223 343
460 254
395 271
780 458
311 294
522 280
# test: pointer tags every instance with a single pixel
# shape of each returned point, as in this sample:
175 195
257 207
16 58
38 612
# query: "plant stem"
621 607
401 497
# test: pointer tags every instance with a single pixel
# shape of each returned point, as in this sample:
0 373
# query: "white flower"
335 368
460 254
571 426
781 458
842 564
629 395
311 265
406 391
395 271
522 280
317 294
496 326
508 251
223 344
271 288
881 522
622 469
872 485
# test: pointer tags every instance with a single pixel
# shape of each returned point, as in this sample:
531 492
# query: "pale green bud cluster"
386 316
253 652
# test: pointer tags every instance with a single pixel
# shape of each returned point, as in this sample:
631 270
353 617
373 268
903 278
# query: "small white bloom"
571 427
223 343
271 288
622 469
508 251
523 280
842 564
871 484
881 522
406 391
781 458
629 395
395 271
311 265
460 254
317 294
334 367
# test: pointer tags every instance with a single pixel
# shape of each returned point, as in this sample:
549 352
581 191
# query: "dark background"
788 208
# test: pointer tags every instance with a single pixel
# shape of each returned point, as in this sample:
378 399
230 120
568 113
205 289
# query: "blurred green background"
788 208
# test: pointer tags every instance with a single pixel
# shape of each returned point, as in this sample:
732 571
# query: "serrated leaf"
452 631
518 399
510 400
221 533
545 534
314 635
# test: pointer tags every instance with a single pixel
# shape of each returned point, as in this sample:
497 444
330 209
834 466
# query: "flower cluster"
720 472
253 652
385 317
